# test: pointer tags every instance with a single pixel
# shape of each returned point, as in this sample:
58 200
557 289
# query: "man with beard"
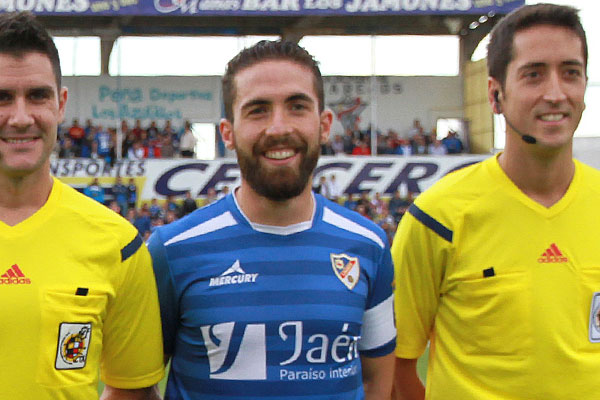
274 292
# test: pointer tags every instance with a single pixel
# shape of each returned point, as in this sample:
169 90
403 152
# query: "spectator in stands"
95 191
348 140
361 148
132 194
155 209
76 133
85 150
326 149
113 205
167 148
338 145
365 200
351 201
102 140
437 148
453 143
334 189
171 205
127 144
417 128
119 191
211 196
419 145
89 127
323 187
395 202
189 204
67 150
187 144
136 152
377 205
404 148
223 192
137 129
168 129
152 130
142 221
362 210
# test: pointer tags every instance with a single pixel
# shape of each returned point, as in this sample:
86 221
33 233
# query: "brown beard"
283 183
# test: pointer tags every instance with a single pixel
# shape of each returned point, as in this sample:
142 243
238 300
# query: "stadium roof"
290 19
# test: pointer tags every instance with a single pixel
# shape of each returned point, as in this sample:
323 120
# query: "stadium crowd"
122 197
151 142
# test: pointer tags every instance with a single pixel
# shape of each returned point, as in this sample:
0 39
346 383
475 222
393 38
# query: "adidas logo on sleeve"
14 276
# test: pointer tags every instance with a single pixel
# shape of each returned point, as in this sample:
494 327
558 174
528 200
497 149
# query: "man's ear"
226 129
62 103
326 121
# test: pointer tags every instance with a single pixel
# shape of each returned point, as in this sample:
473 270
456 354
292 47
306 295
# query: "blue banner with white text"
259 7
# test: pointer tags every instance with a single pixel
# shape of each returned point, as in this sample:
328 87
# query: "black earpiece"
526 138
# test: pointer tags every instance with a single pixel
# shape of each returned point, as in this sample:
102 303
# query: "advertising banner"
259 7
160 178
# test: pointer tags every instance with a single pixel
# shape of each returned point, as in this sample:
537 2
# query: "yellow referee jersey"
77 293
508 291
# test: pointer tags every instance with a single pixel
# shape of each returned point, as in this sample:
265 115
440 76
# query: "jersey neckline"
272 229
500 176
38 218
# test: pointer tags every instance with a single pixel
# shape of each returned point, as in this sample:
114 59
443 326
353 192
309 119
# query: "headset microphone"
526 138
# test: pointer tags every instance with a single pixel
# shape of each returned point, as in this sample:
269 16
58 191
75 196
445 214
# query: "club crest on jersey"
73 344
595 319
346 268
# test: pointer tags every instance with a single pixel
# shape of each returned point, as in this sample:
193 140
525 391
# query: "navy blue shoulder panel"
131 248
430 222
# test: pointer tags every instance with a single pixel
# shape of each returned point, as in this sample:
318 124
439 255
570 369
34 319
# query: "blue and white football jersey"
261 312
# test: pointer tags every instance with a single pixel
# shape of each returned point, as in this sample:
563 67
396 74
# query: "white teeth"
279 154
18 141
551 117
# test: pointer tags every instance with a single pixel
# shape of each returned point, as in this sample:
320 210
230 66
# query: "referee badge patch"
346 268
595 319
73 344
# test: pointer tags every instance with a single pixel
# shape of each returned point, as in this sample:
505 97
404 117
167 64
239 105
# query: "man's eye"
298 107
257 110
5 96
39 95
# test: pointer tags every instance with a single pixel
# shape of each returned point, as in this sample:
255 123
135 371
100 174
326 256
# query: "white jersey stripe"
344 223
378 325
214 224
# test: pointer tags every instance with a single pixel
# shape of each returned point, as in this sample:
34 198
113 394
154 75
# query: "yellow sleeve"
132 354
420 257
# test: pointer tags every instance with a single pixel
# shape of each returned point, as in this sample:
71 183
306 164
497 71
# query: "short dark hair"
500 49
22 33
269 50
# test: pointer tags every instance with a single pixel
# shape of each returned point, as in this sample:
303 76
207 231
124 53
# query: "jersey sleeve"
131 355
169 310
378 331
420 256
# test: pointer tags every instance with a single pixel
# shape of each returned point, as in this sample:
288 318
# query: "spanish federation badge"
595 319
73 344
346 268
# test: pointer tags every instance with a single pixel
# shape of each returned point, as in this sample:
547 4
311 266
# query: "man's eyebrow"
543 64
255 102
299 97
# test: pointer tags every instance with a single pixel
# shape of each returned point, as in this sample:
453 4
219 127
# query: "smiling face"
277 129
545 84
31 107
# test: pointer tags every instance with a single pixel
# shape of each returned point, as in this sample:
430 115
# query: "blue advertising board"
259 7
